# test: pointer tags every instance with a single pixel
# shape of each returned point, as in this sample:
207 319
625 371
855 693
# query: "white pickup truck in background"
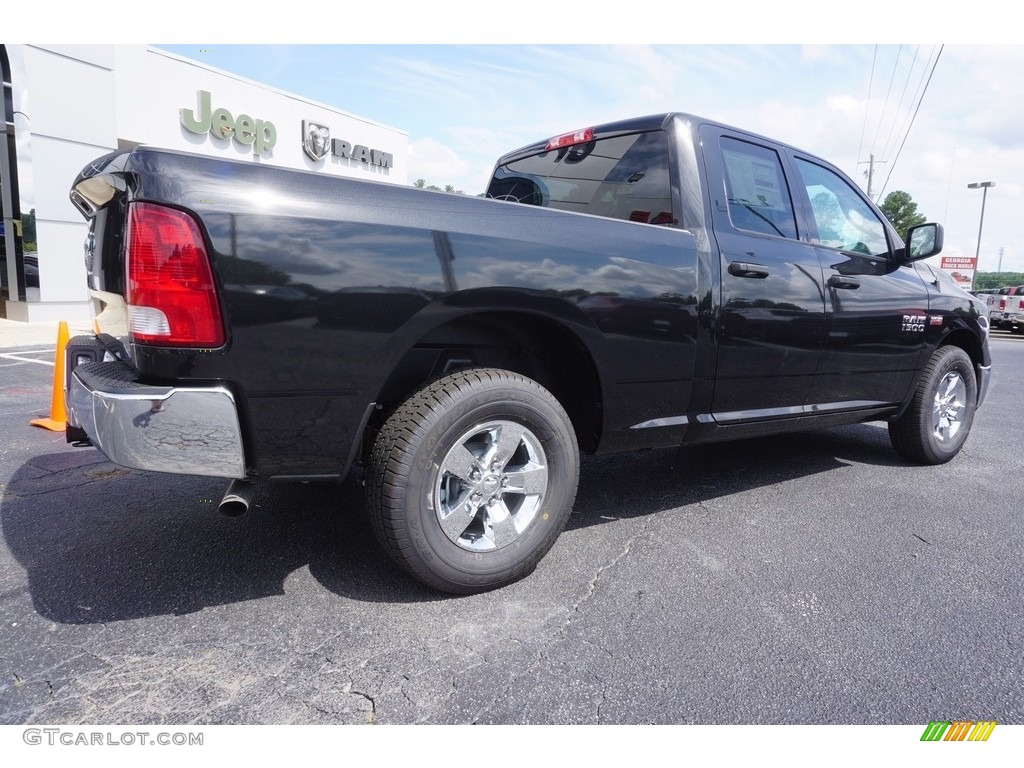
1006 308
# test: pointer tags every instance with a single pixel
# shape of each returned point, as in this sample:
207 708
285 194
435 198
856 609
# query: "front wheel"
472 479
935 425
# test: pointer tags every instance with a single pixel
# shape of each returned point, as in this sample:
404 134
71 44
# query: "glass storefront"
19 275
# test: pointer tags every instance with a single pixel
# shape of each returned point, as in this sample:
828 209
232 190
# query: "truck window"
759 199
621 177
844 220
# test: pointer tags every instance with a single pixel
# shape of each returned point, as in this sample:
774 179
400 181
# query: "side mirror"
923 241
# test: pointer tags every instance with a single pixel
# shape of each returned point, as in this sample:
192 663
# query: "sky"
936 96
934 116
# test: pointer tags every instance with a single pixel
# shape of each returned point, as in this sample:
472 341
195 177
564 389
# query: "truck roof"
635 125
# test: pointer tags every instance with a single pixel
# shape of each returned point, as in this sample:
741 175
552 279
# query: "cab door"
772 303
876 310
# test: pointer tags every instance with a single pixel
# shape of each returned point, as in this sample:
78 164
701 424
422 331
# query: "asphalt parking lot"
811 578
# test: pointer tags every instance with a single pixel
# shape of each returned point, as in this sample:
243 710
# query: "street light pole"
983 185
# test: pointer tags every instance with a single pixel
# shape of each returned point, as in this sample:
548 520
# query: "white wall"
153 86
67 94
84 101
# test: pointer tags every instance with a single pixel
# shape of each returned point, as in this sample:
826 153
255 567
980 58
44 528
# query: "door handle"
843 281
746 269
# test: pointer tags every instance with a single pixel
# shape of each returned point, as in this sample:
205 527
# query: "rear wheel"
472 479
935 426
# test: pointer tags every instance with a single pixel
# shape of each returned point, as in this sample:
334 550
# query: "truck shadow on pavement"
100 543
616 487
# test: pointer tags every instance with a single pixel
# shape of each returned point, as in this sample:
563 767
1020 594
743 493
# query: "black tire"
444 508
935 425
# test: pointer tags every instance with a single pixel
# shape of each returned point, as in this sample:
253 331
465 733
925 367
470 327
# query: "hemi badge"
935 320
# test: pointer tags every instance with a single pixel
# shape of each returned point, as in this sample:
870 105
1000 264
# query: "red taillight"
568 139
1002 304
171 296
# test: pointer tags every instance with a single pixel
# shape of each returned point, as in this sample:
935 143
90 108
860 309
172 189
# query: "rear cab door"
771 319
876 309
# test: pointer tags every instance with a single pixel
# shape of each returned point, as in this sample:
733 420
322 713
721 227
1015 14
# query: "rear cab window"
759 198
620 177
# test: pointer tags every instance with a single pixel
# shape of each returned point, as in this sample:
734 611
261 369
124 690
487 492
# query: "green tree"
28 226
983 280
829 217
422 184
901 211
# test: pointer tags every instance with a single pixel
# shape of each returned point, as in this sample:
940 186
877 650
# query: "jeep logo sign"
316 141
249 131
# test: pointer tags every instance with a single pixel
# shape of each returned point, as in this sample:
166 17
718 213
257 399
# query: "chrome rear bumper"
183 430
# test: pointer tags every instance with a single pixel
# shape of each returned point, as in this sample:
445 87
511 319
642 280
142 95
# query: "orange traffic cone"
58 415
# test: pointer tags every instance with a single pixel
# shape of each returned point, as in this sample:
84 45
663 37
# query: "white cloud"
466 105
438 164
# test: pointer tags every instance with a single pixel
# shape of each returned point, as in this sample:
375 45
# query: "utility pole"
999 269
870 172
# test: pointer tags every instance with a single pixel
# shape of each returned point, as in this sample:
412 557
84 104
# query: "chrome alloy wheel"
948 410
490 485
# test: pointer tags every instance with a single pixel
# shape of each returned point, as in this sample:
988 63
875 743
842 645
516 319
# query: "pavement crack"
705 511
601 702
920 539
372 717
592 584
19 495
405 681
571 614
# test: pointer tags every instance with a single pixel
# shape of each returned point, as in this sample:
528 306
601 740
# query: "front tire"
472 479
935 426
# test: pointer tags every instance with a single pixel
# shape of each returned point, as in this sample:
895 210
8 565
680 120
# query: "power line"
917 94
903 93
885 104
912 120
867 103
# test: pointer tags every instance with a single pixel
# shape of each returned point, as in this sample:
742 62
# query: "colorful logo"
958 730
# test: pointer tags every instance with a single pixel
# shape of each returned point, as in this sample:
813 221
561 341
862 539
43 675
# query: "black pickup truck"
654 282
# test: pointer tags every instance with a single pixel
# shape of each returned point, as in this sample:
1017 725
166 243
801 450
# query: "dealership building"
66 105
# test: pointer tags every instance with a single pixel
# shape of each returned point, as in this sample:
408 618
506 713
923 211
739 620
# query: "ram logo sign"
316 139
317 142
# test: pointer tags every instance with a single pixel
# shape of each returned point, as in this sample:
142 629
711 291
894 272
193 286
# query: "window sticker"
755 181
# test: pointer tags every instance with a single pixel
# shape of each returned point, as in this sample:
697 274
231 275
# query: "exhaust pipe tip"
237 498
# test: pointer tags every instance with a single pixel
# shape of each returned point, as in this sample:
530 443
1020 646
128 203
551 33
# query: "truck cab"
811 303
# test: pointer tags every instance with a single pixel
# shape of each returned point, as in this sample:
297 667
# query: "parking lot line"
8 356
